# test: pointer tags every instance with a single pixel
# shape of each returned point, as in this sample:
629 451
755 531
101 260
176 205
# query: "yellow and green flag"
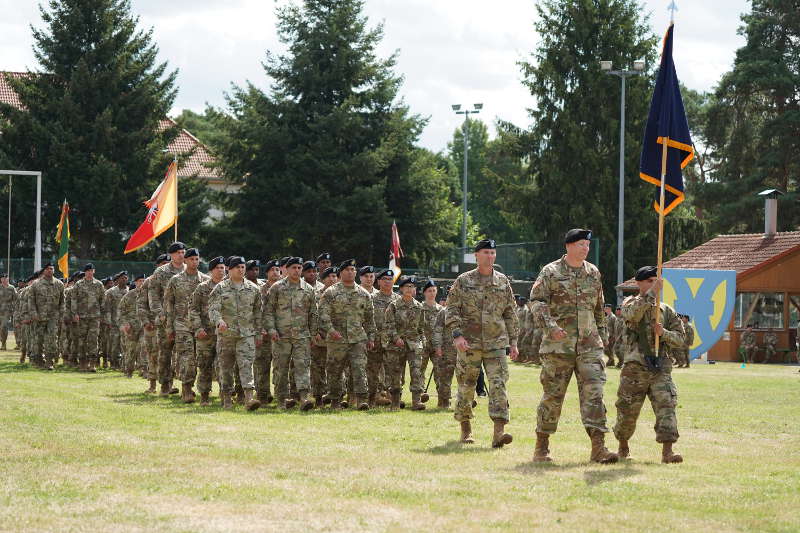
62 238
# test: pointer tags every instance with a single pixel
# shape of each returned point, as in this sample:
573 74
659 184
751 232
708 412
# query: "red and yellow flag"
162 211
62 238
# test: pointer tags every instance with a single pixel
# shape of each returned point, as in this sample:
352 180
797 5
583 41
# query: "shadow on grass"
603 474
454 446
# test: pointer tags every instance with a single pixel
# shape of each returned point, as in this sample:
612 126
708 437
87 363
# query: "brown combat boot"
383 398
240 397
360 402
227 402
416 403
152 389
318 400
466 432
542 452
172 390
444 403
187 394
290 402
500 437
345 402
600 453
164 392
336 404
249 402
395 403
424 397
205 401
623 451
668 456
306 403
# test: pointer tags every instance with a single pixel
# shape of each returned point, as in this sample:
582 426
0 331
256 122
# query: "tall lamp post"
638 68
466 113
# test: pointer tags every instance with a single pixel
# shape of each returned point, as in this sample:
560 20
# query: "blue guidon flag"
667 120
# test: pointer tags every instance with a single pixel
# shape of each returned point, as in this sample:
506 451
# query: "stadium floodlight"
466 113
638 65
456 107
478 106
605 66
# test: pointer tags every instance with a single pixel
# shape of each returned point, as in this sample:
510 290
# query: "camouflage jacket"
770 339
484 314
178 298
349 311
748 338
239 305
406 321
198 311
143 305
290 310
126 310
611 324
638 312
380 302
87 299
314 342
442 335
46 298
156 289
8 298
429 315
22 313
689 330
111 304
570 299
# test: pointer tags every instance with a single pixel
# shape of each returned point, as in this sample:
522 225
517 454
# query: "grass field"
91 452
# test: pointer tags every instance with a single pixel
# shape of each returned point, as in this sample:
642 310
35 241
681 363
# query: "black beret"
646 272
163 258
369 269
407 280
347 263
3 275
140 276
428 284
88 266
577 234
619 308
385 272
328 271
253 263
294 261
176 247
609 306
272 263
47 265
215 262
309 265
687 317
324 256
485 243
192 252
228 260
119 275
107 280
282 261
235 261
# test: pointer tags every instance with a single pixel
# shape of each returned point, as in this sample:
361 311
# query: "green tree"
206 126
327 158
90 121
753 128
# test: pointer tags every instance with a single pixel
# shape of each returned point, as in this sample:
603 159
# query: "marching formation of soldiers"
340 336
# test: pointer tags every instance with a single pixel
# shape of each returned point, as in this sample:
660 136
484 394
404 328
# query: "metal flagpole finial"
672 8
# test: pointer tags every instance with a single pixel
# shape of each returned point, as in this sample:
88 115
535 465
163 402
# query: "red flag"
395 253
161 213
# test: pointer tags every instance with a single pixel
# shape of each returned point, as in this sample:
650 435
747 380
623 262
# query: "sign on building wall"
707 296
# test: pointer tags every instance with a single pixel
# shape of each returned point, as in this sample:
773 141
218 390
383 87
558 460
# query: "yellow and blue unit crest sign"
707 296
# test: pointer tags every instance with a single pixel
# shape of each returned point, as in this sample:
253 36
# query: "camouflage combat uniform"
205 348
377 357
262 365
348 311
45 302
319 355
770 343
27 327
445 364
87 306
429 314
642 374
8 299
570 299
608 340
683 352
748 341
290 311
131 341
619 346
177 299
155 298
20 315
481 308
239 305
149 336
111 304
404 320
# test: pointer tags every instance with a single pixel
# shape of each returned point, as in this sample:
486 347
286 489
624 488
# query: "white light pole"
37 250
638 68
466 113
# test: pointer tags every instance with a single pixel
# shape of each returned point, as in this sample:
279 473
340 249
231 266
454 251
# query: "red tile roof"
195 164
743 253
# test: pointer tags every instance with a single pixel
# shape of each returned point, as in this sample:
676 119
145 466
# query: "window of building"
794 310
767 309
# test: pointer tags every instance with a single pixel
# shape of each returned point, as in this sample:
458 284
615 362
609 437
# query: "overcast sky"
450 51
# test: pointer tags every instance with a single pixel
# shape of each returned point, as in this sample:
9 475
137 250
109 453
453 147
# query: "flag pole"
661 237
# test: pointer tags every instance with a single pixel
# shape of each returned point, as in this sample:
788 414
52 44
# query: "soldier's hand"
461 344
513 353
657 286
126 329
171 336
399 342
438 352
335 335
318 338
558 335
659 329
222 326
77 318
259 341
149 326
275 337
370 345
202 334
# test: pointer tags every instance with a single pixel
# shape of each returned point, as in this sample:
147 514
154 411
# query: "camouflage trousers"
682 356
21 337
150 338
232 351
395 364
352 356
557 370
114 346
319 359
88 331
769 352
46 340
468 367
376 361
291 355
444 367
750 352
131 349
608 349
165 349
619 353
4 318
206 351
187 358
71 353
636 382
261 368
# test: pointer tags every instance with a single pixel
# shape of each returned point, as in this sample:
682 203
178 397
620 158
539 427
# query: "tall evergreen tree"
90 121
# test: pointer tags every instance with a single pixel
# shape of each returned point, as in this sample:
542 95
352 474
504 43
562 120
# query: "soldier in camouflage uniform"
430 310
567 300
347 317
28 327
289 317
110 306
324 262
147 318
46 300
86 307
177 299
608 341
405 332
8 298
647 373
19 335
619 328
264 359
378 357
748 341
205 332
155 297
682 353
70 326
770 344
444 363
319 348
235 307
481 314
130 328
